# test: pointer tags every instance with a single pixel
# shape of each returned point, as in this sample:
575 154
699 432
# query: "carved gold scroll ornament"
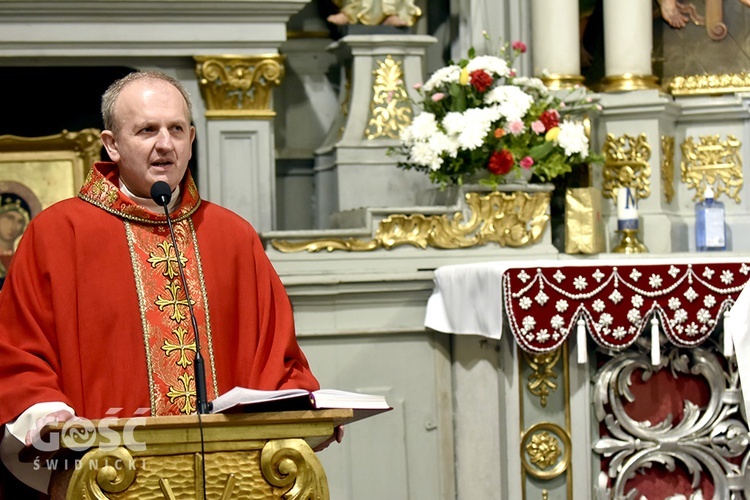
239 86
513 219
626 165
712 162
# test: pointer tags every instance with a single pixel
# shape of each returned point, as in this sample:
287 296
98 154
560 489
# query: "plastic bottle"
710 227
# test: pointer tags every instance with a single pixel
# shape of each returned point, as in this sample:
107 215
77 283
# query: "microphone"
161 193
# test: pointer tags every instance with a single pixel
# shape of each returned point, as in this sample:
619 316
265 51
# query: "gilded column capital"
239 86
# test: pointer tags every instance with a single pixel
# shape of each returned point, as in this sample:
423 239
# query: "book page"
241 396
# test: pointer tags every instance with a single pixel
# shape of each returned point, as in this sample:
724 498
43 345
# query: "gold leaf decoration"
710 84
390 110
667 166
235 86
515 219
542 379
712 162
626 165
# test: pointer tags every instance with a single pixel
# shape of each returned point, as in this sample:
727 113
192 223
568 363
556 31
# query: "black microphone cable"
161 193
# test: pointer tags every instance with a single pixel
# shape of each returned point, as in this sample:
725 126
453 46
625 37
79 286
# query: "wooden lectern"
258 455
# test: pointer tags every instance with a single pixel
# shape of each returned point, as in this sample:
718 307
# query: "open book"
245 400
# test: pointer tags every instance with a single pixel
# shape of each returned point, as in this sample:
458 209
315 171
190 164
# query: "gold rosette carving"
545 450
291 462
239 86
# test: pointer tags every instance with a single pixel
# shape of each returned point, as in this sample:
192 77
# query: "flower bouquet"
478 119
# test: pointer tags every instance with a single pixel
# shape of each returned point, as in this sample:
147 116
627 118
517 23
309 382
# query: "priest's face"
153 138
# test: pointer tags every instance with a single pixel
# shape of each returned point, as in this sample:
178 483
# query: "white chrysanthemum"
476 124
453 123
447 74
443 144
491 64
406 136
513 103
423 126
422 154
532 83
573 138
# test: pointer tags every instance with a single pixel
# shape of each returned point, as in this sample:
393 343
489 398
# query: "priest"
94 317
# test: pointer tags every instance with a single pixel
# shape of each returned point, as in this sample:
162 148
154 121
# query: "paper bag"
584 230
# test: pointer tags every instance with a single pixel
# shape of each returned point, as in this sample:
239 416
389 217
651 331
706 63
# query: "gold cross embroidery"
181 346
174 289
167 260
174 394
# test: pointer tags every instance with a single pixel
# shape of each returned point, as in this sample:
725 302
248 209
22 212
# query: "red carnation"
519 46
500 162
480 80
550 119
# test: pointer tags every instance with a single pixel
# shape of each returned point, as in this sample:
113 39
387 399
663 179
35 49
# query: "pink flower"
538 127
417 86
437 96
515 127
526 162
519 46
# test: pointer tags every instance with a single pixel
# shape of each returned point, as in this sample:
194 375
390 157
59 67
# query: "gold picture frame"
51 167
35 173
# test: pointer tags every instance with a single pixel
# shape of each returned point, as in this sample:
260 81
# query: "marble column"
239 128
628 42
555 45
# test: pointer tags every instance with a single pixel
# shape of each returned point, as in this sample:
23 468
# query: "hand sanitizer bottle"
710 230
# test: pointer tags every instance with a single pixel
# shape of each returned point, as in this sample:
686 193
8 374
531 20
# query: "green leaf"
541 150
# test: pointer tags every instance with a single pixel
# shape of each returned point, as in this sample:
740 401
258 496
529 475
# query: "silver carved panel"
710 440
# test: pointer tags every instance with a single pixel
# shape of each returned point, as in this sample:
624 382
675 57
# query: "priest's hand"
52 418
338 436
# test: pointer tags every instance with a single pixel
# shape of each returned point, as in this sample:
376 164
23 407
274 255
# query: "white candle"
627 207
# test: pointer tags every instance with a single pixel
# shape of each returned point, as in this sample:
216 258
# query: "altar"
615 375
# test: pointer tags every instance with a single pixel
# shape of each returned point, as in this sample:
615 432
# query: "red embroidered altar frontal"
616 303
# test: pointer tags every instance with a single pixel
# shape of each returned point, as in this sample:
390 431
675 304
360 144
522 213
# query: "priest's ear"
110 144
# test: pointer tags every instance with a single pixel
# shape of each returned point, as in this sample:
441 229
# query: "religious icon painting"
18 204
35 173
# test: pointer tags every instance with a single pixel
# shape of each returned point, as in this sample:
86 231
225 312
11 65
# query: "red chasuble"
93 312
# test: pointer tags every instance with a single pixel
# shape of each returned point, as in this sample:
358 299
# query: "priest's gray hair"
109 98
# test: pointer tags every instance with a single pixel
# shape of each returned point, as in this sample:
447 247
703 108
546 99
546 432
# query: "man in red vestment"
93 315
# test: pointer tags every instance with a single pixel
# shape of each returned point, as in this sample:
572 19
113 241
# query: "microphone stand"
161 194
203 406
